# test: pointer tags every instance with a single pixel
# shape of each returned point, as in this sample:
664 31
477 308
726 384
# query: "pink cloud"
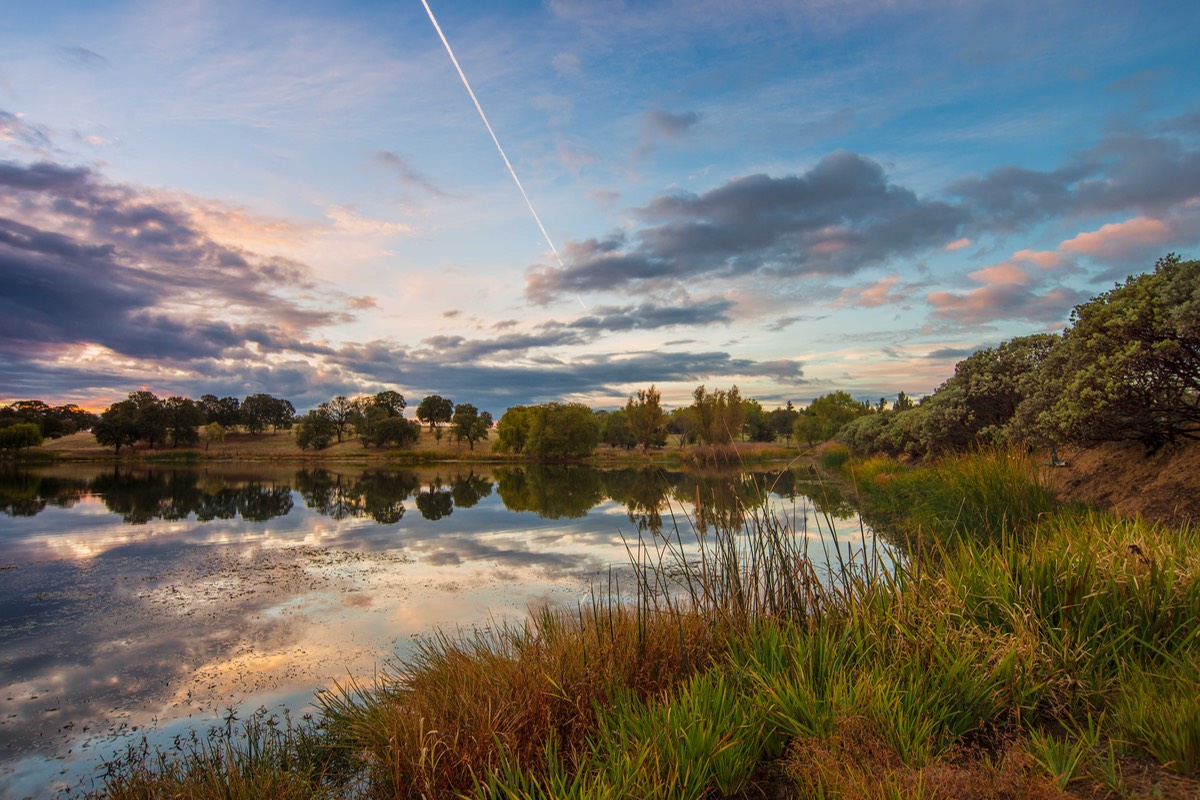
1044 259
1005 301
1004 272
957 244
1120 240
877 294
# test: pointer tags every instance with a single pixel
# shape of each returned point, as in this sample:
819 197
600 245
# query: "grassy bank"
1021 649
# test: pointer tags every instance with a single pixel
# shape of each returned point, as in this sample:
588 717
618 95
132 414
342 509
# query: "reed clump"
1010 649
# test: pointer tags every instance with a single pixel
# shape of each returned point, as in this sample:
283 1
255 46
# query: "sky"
301 198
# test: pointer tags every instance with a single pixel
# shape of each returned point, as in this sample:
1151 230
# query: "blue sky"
300 198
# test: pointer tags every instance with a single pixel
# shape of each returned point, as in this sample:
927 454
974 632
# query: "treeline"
26 423
1127 368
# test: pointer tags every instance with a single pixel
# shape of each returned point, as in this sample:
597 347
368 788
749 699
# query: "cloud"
399 167
840 216
1122 242
874 295
1006 301
104 265
659 126
1124 172
648 316
82 57
14 128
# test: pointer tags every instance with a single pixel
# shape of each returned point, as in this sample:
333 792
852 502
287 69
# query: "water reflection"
140 495
133 596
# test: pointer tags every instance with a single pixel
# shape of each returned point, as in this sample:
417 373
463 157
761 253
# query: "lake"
139 601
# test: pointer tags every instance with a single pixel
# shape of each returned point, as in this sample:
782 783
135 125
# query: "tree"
434 409
184 416
22 434
783 420
682 422
978 403
826 415
117 426
718 414
903 402
563 430
151 417
396 431
513 429
212 432
470 423
615 430
1128 366
391 402
647 422
757 425
226 411
340 411
260 410
315 429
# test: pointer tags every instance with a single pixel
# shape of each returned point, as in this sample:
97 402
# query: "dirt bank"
1163 486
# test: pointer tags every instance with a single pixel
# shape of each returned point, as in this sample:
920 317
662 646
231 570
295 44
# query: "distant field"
281 445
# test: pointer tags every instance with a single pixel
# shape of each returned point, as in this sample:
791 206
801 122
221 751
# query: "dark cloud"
955 353
399 166
786 322
1123 173
498 386
458 348
115 259
840 216
648 316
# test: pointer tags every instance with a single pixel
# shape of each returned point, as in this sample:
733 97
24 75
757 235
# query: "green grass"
1019 650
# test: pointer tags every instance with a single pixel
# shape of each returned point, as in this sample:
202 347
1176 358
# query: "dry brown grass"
465 704
855 762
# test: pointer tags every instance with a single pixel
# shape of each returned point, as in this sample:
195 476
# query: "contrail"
488 125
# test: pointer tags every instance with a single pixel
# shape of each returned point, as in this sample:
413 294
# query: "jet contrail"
488 125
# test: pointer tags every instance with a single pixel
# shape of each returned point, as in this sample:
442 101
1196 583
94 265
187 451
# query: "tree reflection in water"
140 495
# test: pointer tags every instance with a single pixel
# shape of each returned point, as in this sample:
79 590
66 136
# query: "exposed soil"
1162 486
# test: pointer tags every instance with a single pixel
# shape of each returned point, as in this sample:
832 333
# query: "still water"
146 602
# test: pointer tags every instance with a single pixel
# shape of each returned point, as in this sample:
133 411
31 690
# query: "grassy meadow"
239 445
1020 649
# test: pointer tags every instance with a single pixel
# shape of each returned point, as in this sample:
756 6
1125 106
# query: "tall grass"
1020 651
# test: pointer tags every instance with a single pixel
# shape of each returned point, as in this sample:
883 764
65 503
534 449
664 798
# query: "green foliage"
470 423
52 422
1129 366
683 424
395 431
434 409
117 426
20 435
315 430
562 430
615 429
225 411
184 418
826 415
260 410
783 421
718 416
646 420
513 430
757 427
